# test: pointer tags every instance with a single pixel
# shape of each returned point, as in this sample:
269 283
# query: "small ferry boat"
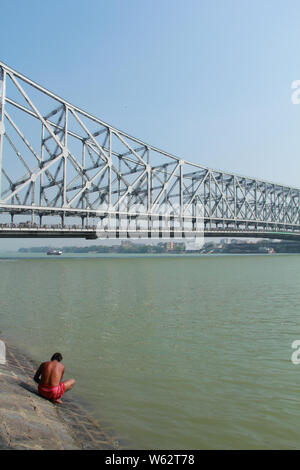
54 252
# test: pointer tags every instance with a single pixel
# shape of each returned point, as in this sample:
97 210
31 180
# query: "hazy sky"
209 81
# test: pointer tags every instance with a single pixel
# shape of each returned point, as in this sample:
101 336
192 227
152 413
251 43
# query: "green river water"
174 352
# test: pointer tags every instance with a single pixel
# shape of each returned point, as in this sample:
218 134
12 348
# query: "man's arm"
36 378
63 371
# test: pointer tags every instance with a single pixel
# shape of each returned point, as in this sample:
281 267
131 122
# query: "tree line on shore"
223 246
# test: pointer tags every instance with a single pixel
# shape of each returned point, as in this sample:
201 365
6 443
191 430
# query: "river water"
174 352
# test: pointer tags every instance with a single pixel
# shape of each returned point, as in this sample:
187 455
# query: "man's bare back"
49 378
51 373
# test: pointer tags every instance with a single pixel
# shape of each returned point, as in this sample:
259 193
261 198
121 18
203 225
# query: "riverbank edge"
29 422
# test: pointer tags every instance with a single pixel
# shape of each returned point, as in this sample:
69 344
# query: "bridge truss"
64 172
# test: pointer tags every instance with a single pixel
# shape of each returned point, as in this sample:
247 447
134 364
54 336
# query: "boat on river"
54 252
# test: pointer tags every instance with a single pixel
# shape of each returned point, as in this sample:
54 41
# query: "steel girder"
58 161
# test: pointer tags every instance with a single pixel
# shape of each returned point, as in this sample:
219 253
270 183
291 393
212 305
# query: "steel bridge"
66 173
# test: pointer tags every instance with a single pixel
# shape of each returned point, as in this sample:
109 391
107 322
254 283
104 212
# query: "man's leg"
69 384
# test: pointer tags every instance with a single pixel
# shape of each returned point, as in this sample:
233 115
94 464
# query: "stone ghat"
28 421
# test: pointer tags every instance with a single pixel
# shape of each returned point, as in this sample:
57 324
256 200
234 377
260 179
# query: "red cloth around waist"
52 393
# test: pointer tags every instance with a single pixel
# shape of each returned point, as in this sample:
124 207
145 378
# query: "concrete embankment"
28 421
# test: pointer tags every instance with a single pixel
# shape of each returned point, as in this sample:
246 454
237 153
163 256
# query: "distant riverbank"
224 246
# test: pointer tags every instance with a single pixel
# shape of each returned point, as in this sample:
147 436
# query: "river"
174 352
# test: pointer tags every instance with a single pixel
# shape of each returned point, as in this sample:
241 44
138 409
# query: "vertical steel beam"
41 164
2 128
234 197
109 171
82 177
65 157
149 177
181 189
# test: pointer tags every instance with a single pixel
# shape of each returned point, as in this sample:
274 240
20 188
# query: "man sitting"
49 377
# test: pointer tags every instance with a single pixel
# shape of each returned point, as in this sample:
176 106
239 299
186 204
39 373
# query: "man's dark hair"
56 357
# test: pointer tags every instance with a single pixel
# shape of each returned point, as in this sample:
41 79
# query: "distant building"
237 241
126 244
171 246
